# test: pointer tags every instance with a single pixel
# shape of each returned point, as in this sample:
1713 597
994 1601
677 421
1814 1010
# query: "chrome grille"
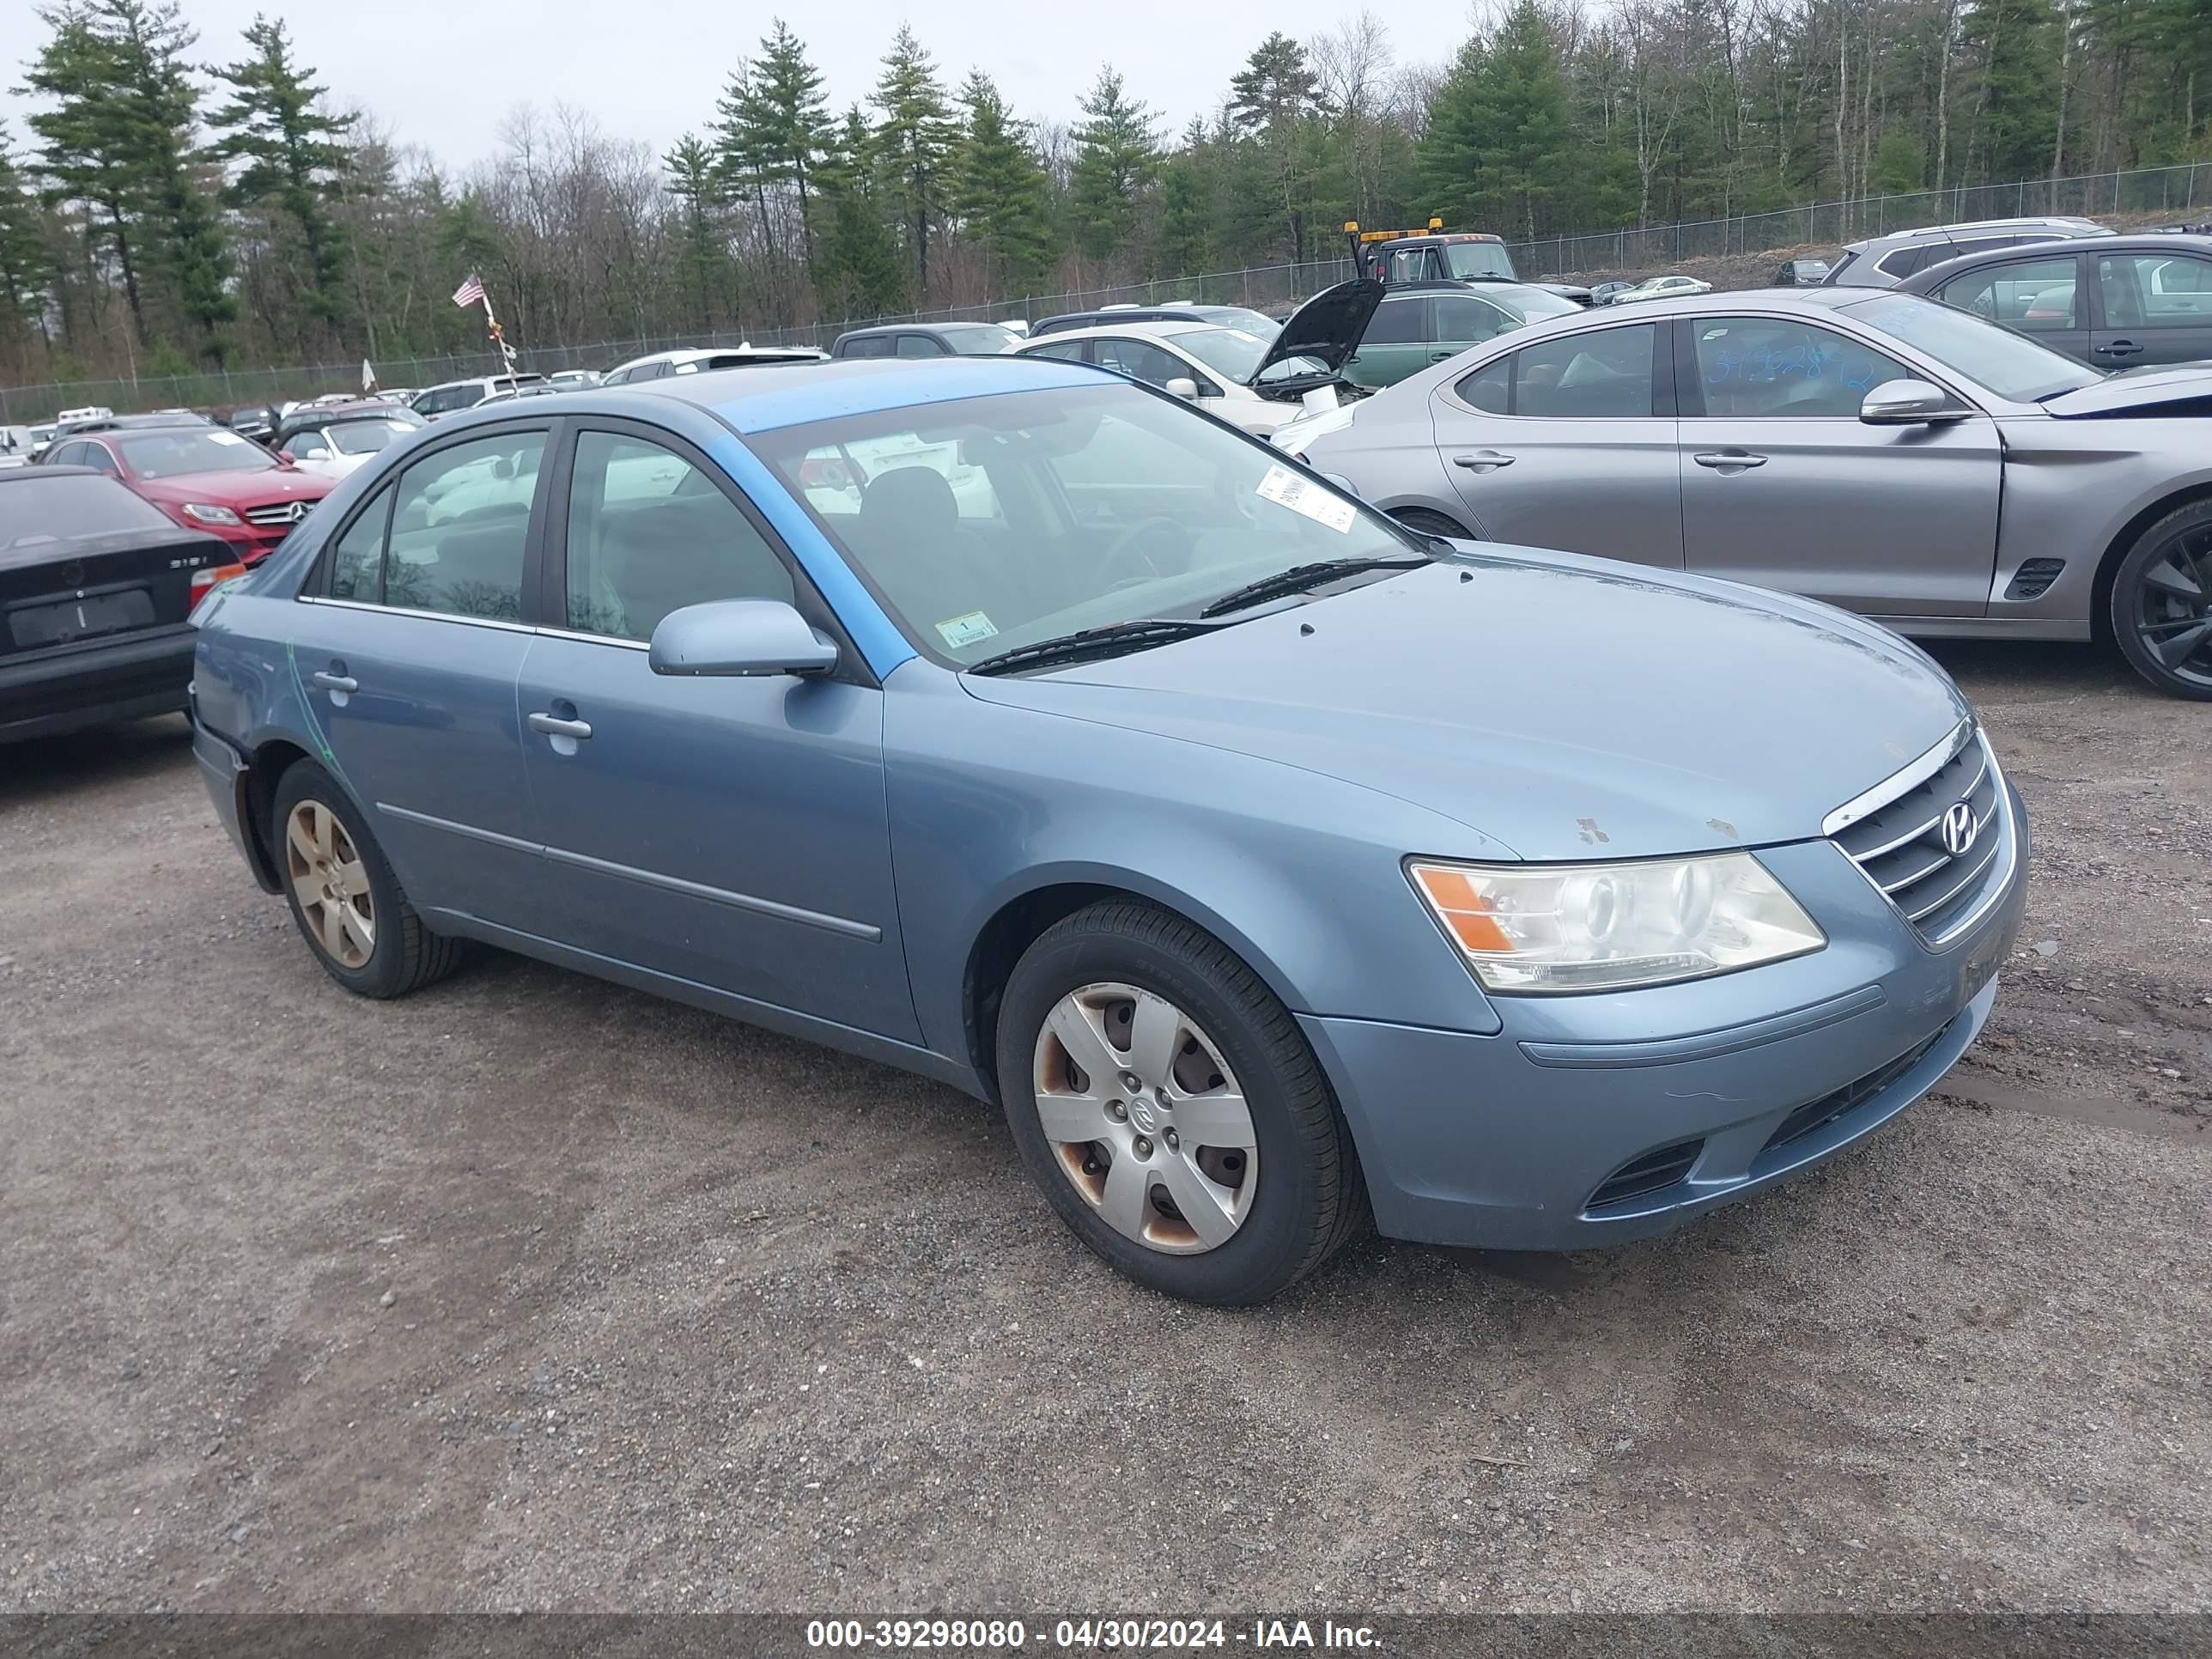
1900 847
277 515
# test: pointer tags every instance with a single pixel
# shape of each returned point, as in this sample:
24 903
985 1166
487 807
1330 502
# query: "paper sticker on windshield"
1286 489
226 437
970 629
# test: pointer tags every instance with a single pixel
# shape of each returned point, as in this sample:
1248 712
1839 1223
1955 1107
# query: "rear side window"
1396 322
1070 353
1605 374
918 345
459 526
874 345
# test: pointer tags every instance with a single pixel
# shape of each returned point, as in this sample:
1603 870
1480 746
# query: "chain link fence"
2176 190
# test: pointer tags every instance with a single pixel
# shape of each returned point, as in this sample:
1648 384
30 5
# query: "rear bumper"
1544 1137
226 773
95 682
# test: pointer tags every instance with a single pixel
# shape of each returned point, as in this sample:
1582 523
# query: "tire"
2148 617
1237 1044
1428 523
383 950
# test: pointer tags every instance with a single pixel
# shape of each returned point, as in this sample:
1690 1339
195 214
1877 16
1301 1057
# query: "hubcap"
330 883
2173 606
1146 1118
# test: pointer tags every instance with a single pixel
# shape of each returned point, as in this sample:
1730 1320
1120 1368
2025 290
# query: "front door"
406 658
1784 487
2154 308
1568 443
729 832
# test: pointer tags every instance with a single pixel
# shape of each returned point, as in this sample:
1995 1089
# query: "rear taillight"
205 582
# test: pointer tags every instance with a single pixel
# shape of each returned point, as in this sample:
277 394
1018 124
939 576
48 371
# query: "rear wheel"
347 902
2161 604
1168 1107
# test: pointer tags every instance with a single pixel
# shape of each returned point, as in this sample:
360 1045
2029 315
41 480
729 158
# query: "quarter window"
1490 388
649 533
2035 295
1757 368
460 526
357 556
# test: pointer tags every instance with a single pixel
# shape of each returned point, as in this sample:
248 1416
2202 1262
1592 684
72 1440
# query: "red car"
205 477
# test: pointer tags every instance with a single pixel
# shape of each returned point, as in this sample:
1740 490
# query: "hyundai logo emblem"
1959 829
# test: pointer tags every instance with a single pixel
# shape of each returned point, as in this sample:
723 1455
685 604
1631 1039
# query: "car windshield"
366 437
180 453
1468 259
1252 322
990 523
977 339
46 507
2013 366
1234 355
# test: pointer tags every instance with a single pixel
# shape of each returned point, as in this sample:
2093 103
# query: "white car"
334 441
454 396
572 380
1259 384
1663 287
699 360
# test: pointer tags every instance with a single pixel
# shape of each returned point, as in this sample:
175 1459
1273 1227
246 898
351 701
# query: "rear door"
2042 295
407 649
1569 442
2153 308
1784 487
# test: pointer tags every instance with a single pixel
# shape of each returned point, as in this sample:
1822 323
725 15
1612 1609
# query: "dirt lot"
529 1293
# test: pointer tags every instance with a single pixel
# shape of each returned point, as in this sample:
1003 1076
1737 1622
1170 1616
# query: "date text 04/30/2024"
1083 1634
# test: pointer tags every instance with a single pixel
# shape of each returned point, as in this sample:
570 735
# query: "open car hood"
2171 391
1328 327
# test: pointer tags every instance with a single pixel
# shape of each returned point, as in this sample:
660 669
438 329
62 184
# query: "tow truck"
1435 254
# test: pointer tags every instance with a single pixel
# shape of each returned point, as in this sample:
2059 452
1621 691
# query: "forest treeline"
167 210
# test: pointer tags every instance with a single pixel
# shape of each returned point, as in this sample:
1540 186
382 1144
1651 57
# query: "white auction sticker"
226 437
970 629
1286 489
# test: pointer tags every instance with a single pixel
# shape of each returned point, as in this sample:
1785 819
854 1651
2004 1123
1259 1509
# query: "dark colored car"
204 477
1422 323
925 340
253 420
1801 273
2110 301
96 593
1243 317
1604 294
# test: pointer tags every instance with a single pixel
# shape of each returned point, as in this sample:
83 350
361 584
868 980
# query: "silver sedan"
1884 453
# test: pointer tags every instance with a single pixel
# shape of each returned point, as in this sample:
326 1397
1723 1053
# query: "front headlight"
203 512
1559 927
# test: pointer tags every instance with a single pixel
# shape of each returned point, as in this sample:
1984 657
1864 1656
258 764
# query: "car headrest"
909 499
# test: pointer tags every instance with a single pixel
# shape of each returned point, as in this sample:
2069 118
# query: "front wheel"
1424 522
1170 1109
2161 609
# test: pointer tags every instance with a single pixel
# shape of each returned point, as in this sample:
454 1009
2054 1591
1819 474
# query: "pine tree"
89 150
1498 141
1117 157
999 189
912 141
295 159
860 274
1185 236
1272 99
2017 120
792 124
22 246
692 180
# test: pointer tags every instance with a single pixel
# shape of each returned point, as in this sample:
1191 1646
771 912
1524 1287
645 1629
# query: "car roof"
2068 228
913 328
847 385
14 474
2162 242
1165 328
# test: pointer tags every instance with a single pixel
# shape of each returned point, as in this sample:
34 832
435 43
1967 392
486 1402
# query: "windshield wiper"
1111 641
1300 577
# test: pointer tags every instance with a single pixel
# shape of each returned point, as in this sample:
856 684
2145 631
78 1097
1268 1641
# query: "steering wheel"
1157 546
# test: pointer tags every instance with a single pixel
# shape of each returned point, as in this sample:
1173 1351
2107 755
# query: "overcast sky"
442 73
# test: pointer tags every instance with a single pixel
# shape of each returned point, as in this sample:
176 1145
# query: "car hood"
1328 327
1565 707
2139 392
257 485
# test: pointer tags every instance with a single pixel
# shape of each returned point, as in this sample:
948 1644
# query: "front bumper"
125 677
1592 1119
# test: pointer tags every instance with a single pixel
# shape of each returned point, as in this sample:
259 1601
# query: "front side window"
459 526
1758 367
1114 504
2035 295
649 533
97 455
1607 373
184 451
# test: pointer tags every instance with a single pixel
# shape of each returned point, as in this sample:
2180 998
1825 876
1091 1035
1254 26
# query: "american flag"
469 293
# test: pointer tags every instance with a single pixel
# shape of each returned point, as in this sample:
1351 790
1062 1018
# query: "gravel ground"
531 1292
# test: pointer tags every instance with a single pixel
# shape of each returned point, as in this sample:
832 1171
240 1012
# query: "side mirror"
1909 403
1184 387
749 638
286 457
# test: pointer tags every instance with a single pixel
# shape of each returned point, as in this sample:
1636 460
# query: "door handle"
1482 461
554 726
1441 356
1730 460
2117 349
345 682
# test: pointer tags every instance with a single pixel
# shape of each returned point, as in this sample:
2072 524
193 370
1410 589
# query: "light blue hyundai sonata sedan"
1018 724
